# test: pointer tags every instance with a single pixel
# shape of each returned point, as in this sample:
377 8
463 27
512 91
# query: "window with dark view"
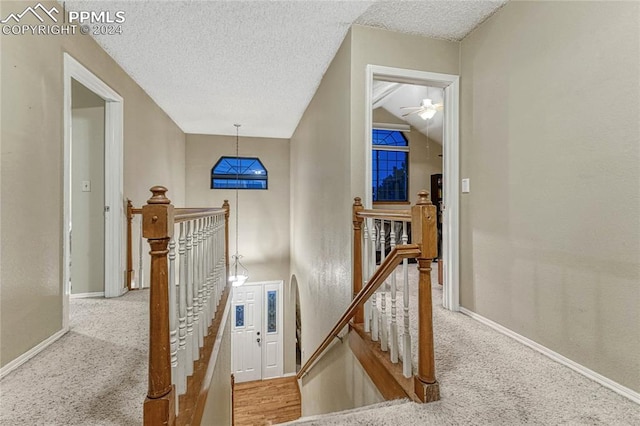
239 173
390 168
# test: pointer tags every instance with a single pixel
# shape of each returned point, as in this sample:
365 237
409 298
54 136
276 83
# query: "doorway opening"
93 130
295 292
423 105
87 192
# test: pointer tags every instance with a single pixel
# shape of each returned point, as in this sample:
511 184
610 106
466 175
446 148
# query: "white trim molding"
86 295
114 191
31 353
451 163
579 368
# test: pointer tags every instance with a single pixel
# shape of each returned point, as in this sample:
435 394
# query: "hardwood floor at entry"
266 402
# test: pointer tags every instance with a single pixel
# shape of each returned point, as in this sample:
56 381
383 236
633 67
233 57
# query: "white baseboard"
31 353
85 295
599 378
289 375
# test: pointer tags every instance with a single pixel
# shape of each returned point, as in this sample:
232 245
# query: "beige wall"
424 158
321 210
327 171
264 215
217 409
31 172
337 382
550 235
87 212
380 47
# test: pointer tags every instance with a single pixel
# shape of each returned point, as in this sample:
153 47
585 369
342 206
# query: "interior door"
247 336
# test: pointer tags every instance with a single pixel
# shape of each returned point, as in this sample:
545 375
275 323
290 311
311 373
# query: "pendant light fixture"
239 273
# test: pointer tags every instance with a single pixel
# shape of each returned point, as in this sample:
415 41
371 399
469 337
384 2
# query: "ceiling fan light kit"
427 110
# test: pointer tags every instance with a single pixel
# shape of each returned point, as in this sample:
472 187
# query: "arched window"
239 173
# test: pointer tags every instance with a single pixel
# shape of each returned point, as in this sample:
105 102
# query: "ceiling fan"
426 110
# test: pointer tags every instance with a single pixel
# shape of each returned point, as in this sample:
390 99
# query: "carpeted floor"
487 378
93 375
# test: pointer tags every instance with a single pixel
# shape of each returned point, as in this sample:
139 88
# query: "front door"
247 330
257 338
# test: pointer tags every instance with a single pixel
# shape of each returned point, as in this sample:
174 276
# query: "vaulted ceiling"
209 64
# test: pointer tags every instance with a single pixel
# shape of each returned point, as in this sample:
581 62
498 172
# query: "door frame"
263 333
114 185
451 163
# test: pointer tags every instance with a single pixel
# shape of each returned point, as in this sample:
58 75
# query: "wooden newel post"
227 210
424 233
357 256
129 273
157 228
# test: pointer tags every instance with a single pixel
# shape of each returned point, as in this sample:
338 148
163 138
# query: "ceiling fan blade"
408 107
412 112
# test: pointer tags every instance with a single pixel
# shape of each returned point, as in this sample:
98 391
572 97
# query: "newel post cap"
423 198
158 196
157 215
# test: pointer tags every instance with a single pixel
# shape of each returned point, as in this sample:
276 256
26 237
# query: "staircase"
374 279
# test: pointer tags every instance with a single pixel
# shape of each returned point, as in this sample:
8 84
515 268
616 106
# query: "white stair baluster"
205 267
181 385
216 263
201 281
189 280
375 332
393 331
173 331
213 301
365 268
196 292
384 331
407 366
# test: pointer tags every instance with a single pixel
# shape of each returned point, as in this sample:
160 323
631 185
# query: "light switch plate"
86 186
465 185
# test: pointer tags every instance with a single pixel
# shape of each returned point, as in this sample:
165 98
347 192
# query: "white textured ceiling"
209 64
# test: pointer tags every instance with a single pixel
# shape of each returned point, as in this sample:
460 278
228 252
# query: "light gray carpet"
487 378
94 375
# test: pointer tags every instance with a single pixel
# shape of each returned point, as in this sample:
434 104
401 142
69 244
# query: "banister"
185 214
377 279
180 323
399 215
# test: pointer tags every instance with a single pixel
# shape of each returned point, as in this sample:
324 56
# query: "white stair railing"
381 316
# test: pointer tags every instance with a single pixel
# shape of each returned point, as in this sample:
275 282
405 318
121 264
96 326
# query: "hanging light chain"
237 194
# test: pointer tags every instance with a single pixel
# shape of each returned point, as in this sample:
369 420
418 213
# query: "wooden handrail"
399 215
377 279
185 214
